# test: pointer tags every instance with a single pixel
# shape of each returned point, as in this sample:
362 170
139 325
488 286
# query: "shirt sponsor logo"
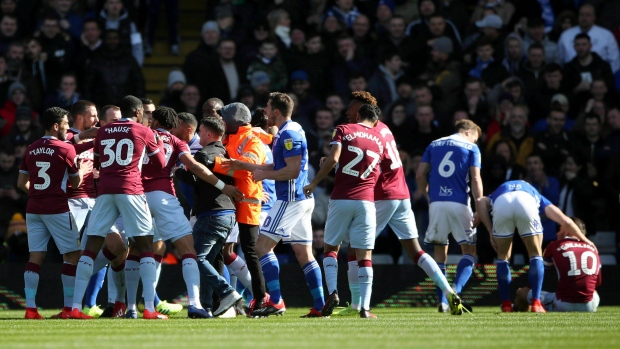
445 191
288 144
514 186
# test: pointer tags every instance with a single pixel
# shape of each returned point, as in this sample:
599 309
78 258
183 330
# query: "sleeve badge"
288 144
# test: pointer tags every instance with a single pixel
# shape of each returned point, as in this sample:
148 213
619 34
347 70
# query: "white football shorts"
446 217
515 209
354 218
61 227
168 216
398 214
133 208
80 208
290 221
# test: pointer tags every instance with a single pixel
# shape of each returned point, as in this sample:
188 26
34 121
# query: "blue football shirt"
291 141
269 185
450 159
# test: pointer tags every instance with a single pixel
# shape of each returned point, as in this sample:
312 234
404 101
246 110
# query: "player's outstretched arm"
202 172
483 206
237 165
476 182
421 178
567 226
328 164
290 171
23 182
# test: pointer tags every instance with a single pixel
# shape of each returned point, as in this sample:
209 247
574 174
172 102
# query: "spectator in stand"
17 96
406 95
246 96
552 84
114 17
357 82
365 38
172 20
400 124
19 72
548 186
25 131
323 125
553 145
584 68
39 65
194 61
280 25
382 84
171 96
336 105
345 11
535 34
219 75
505 103
603 42
269 62
260 84
425 130
331 29
114 74
502 8
385 11
457 12
66 95
516 133
347 63
420 28
12 200
70 21
395 40
89 47
577 190
422 47
475 103
249 48
190 99
316 62
226 22
58 51
444 73
8 31
486 67
5 82
514 54
307 104
507 151
565 20
532 70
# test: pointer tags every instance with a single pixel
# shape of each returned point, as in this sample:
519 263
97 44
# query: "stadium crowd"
541 78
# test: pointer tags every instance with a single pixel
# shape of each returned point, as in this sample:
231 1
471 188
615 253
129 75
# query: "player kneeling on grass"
579 272
516 204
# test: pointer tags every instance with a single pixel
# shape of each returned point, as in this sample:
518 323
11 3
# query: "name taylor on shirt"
43 150
351 136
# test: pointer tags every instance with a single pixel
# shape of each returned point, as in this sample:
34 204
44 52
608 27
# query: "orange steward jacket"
245 146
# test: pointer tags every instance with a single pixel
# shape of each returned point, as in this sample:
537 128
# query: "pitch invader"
289 220
43 174
393 206
171 223
119 151
357 149
448 164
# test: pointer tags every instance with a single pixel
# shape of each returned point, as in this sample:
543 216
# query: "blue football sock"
440 295
536 275
463 272
271 272
156 301
504 278
314 279
94 286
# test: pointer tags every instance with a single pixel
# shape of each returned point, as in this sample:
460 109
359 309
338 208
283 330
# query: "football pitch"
394 328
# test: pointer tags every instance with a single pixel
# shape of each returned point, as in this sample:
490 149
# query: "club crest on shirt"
288 143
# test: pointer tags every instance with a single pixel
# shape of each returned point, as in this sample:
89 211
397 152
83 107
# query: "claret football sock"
68 283
463 272
191 275
536 275
441 296
238 267
271 273
330 265
31 280
354 285
314 279
148 275
365 277
82 277
434 271
503 279
132 279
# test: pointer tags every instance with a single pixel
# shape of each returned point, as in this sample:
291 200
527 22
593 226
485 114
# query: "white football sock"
191 275
132 279
354 286
148 274
330 265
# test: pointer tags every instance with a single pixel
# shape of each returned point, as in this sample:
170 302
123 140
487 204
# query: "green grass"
395 328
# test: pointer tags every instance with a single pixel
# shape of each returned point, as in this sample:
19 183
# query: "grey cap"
258 78
443 44
492 21
210 25
176 76
16 86
235 115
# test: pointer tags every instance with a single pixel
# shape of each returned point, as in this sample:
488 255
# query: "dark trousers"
248 235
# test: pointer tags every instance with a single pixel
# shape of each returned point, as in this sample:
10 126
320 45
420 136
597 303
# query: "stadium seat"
382 259
608 259
605 241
